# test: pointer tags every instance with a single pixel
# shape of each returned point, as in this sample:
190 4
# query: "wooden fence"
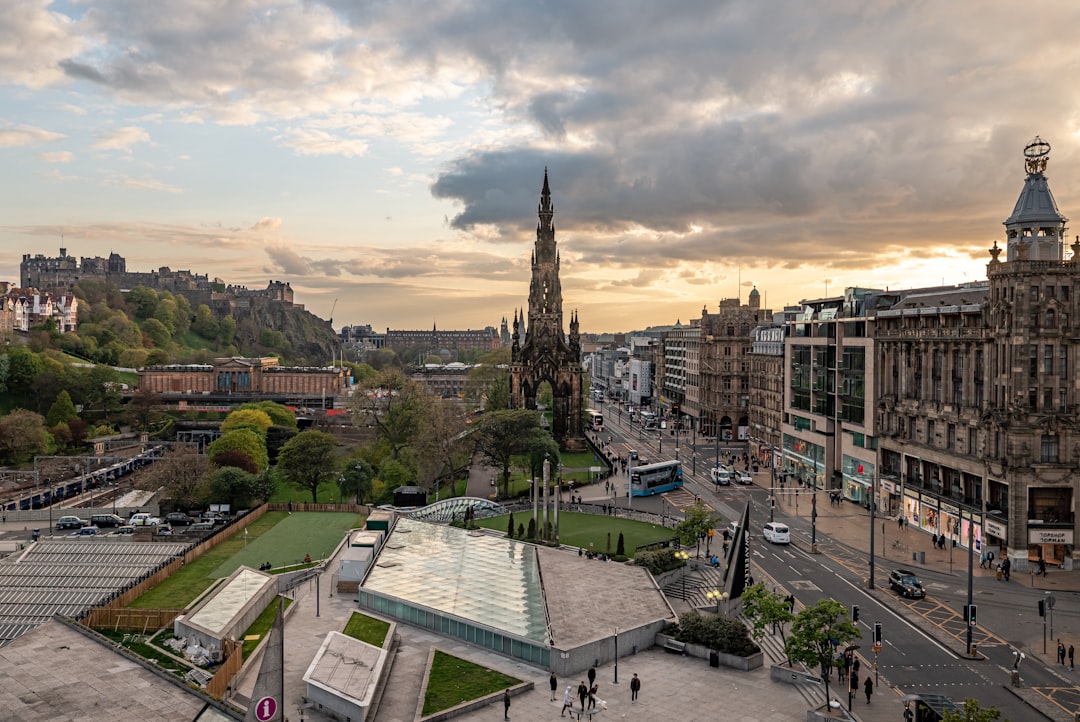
131 620
296 506
219 685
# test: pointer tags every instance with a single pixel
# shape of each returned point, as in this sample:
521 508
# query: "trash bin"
918 557
714 658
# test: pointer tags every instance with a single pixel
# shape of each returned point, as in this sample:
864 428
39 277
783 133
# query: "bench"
675 647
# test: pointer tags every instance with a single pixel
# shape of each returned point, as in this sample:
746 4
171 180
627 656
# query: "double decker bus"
596 420
656 478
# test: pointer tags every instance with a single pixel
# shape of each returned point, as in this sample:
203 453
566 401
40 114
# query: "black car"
907 584
178 518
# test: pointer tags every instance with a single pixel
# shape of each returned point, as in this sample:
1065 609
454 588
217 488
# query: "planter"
825 713
732 661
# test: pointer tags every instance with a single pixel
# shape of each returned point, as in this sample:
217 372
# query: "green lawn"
313 532
580 530
328 493
453 681
367 629
261 626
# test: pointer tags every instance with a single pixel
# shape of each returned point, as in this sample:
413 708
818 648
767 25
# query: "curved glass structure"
449 510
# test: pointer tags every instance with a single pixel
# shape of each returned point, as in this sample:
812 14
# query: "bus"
648 420
656 478
596 420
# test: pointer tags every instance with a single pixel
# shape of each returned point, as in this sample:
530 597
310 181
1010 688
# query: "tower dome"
754 301
1036 228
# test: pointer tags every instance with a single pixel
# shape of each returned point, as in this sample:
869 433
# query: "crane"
332 312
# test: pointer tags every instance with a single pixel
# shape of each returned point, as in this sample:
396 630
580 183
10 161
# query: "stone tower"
547 354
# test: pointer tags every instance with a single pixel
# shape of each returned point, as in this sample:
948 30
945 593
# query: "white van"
777 533
720 475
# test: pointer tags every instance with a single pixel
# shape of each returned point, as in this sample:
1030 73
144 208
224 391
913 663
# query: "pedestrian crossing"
682 499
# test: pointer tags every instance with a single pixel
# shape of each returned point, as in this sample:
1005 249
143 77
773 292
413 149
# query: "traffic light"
854 612
1042 607
969 614
877 632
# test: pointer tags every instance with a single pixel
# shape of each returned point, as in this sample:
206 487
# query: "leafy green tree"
227 328
158 333
543 447
697 521
766 610
394 404
23 366
502 435
142 301
182 473
970 711
233 486
356 480
22 436
308 460
279 414
62 410
237 459
394 474
205 323
813 632
257 421
244 441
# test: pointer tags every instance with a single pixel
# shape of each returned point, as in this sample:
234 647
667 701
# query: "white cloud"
59 156
16 136
121 138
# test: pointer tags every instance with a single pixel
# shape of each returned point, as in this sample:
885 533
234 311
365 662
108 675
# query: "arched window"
1050 319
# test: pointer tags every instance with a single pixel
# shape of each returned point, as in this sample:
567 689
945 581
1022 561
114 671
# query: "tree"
62 410
157 332
620 546
308 460
970 711
145 408
542 447
394 474
502 435
697 521
22 436
438 445
510 526
182 473
232 486
813 632
488 384
765 609
227 328
256 420
205 323
236 459
279 414
356 480
245 441
394 404
143 301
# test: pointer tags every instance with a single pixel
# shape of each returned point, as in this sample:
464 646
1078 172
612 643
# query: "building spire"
546 210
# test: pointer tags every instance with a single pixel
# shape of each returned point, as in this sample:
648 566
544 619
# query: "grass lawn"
453 681
367 629
191 580
580 530
290 539
328 493
261 626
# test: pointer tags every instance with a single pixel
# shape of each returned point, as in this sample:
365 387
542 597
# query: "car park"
777 533
178 518
906 583
107 520
71 522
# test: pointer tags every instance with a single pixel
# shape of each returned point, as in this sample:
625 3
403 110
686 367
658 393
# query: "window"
1048 452
1063 361
1063 399
1034 293
1033 360
1048 399
931 432
950 438
1050 318
1048 359
1064 293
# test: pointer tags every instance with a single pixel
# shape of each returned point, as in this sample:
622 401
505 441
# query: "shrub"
659 561
723 634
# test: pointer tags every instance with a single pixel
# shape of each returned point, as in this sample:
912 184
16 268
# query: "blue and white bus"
655 478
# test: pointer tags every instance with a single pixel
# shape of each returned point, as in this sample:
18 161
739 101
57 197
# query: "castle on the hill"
63 271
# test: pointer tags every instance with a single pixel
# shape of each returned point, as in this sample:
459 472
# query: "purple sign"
265 709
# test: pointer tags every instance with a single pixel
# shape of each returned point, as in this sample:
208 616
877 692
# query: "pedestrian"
982 561
592 696
933 541
1071 652
554 681
905 522
1042 567
909 716
1061 653
1006 567
592 675
868 687
506 703
791 603
582 693
635 684
567 701
899 522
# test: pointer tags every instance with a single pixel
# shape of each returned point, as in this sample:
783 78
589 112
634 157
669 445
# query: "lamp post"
684 556
616 656
718 596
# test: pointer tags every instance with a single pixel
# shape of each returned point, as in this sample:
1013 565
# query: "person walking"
982 561
909 716
583 694
1071 652
868 687
1006 566
1061 653
1042 567
554 682
933 541
592 676
506 704
567 701
635 685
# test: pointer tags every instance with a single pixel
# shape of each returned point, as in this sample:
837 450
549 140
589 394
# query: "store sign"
888 486
1050 536
950 509
995 528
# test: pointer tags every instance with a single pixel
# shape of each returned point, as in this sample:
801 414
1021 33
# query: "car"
71 522
720 476
201 526
163 530
143 519
106 520
123 531
777 533
87 531
733 529
743 477
178 518
906 583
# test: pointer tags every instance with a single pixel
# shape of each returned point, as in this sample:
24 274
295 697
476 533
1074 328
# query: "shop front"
804 461
1053 545
932 515
858 477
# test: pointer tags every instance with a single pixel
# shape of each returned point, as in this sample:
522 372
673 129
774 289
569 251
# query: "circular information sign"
265 709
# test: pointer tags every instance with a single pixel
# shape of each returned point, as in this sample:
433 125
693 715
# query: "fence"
219 685
130 620
297 506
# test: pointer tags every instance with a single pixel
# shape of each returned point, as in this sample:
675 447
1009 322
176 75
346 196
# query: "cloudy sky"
389 154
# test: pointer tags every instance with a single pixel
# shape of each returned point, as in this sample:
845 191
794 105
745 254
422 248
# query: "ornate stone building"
979 399
547 354
244 378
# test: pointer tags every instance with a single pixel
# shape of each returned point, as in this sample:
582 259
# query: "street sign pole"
971 577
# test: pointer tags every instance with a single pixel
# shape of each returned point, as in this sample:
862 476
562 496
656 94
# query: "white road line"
900 619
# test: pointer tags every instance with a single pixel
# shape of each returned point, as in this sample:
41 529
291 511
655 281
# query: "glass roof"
224 605
453 509
489 580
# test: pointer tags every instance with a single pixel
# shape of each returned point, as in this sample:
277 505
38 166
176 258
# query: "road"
922 639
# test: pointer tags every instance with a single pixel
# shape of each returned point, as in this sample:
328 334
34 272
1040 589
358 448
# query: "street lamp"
684 556
718 596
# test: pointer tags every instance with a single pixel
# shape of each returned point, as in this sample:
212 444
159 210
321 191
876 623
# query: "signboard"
888 486
1050 536
265 709
995 527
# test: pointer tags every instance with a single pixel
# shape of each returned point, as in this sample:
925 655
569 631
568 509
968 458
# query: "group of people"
1003 569
1061 654
939 540
586 693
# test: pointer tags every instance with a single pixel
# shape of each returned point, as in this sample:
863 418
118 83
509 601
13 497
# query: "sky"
386 157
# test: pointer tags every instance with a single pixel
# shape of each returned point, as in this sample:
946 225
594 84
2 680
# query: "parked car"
123 531
201 526
178 518
71 522
144 519
87 531
777 533
214 517
906 583
163 530
107 520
